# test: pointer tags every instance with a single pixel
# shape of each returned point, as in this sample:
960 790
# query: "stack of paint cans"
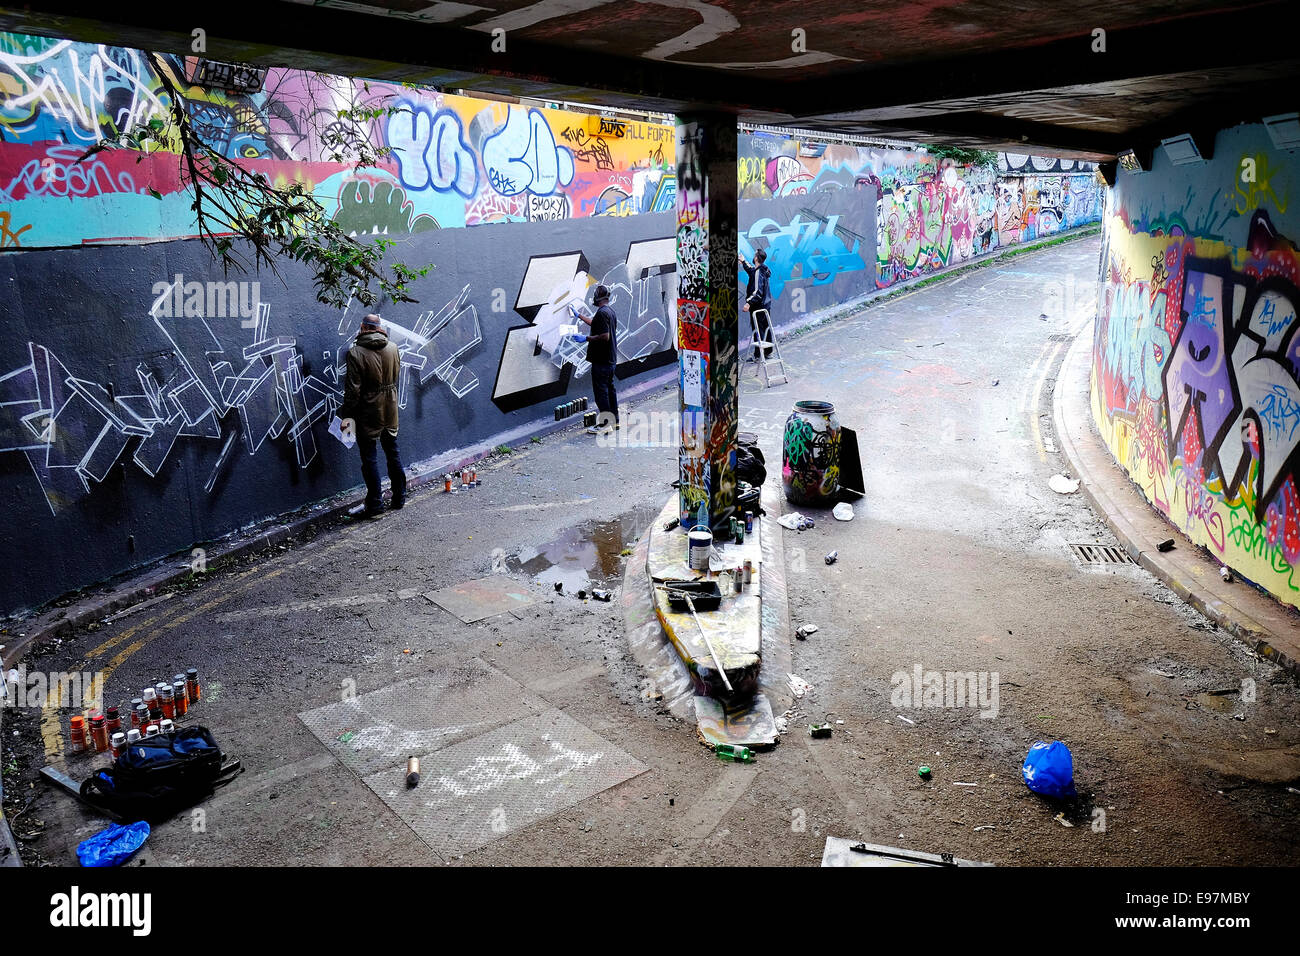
570 408
157 710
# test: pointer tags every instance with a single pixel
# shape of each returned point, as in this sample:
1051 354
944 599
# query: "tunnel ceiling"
1019 75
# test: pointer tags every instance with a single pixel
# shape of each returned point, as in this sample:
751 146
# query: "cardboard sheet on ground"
500 782
749 723
840 852
474 600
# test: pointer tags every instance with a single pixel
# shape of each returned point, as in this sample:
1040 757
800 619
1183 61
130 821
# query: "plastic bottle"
735 754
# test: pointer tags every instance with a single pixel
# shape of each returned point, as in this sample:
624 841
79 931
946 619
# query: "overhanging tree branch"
246 222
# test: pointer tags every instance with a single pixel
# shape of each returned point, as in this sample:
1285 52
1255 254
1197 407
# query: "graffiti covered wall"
917 214
1196 359
452 160
147 402
130 430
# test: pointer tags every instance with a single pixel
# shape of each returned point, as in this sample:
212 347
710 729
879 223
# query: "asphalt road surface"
957 561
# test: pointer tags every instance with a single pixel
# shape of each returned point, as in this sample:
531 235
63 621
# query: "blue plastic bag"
1049 770
114 846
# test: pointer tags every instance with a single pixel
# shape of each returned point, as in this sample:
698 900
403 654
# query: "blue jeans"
370 468
602 387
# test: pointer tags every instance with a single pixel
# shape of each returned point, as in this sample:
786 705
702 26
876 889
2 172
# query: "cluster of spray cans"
463 480
570 408
156 711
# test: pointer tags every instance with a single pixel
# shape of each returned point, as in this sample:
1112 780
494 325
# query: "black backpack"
750 464
157 777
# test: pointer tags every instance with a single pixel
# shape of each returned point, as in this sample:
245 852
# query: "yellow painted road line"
1022 407
1033 410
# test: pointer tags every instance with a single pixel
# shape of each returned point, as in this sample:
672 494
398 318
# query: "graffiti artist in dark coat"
758 296
602 353
370 410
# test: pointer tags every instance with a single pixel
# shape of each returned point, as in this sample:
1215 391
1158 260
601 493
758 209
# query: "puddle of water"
585 556
1222 704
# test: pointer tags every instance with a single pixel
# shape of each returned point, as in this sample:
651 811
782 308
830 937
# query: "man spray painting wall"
758 298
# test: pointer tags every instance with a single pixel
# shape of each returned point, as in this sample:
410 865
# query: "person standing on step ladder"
758 298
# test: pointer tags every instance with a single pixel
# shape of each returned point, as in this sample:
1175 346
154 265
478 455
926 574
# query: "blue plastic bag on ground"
114 846
1049 770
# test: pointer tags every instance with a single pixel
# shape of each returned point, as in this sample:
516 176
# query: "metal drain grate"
1100 554
1061 337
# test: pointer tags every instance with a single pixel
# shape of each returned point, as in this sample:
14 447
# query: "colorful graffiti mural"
1196 367
930 213
449 161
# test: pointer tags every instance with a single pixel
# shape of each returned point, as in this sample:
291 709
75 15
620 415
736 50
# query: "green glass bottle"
733 753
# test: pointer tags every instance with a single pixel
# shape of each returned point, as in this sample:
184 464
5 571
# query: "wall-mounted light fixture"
1182 150
1284 130
1135 160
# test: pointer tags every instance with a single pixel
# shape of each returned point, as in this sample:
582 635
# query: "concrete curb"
1264 624
139 584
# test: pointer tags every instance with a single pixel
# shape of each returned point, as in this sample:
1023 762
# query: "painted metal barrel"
810 454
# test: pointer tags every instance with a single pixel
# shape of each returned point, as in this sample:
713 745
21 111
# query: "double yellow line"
51 721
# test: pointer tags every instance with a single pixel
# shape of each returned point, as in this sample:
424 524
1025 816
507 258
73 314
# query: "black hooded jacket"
758 292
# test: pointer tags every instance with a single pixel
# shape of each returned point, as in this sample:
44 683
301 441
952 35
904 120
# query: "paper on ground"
336 429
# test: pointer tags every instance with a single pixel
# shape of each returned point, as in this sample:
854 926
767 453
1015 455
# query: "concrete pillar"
707 321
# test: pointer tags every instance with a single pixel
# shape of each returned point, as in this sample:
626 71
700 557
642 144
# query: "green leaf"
153 192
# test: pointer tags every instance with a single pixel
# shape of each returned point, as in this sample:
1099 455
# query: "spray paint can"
77 733
749 522
413 772
446 482
116 744
749 571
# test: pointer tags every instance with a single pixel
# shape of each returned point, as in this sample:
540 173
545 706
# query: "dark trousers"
761 322
602 386
370 468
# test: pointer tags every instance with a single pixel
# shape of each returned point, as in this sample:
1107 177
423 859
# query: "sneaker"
373 511
397 502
